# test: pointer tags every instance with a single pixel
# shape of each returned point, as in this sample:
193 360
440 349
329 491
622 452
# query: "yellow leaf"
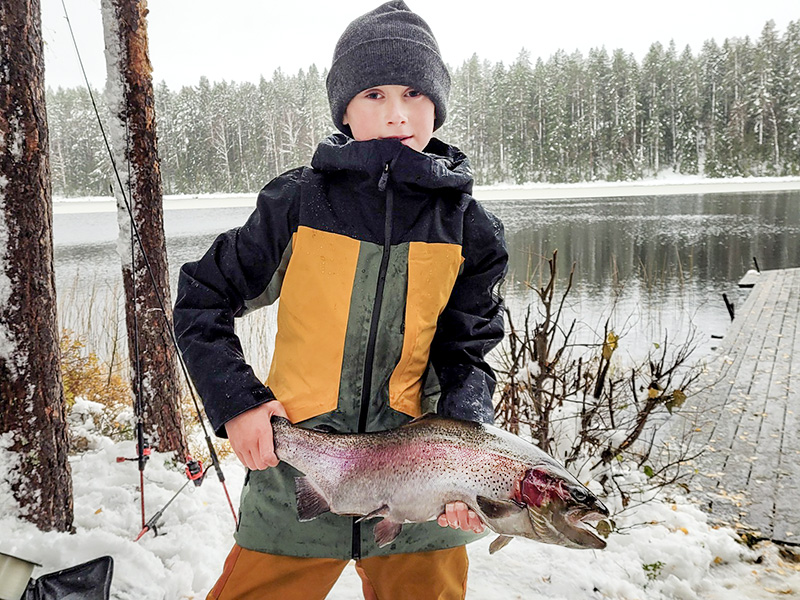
718 560
604 528
98 511
653 390
610 345
684 530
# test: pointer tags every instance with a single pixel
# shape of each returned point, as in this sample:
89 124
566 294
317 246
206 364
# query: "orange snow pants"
249 575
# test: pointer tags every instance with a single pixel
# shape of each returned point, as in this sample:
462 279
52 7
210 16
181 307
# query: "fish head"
561 510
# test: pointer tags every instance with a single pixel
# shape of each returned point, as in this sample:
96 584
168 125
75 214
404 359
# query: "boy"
387 272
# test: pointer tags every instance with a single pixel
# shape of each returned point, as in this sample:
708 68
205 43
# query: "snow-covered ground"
665 549
664 185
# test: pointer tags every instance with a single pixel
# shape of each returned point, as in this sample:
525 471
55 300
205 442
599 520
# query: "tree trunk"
31 395
129 89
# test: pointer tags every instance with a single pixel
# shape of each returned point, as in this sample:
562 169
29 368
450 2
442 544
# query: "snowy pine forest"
732 109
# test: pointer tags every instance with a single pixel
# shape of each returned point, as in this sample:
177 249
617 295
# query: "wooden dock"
749 420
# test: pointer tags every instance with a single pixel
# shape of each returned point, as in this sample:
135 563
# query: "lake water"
653 264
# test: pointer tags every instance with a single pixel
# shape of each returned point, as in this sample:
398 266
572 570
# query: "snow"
15 144
7 344
664 549
666 183
117 132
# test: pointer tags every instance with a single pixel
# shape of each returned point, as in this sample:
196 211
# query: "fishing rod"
194 474
142 447
142 451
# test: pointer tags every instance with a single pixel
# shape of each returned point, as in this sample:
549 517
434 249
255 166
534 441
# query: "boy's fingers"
463 516
459 516
244 458
278 409
475 523
452 514
266 454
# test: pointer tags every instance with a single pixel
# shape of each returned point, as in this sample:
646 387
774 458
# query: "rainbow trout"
408 474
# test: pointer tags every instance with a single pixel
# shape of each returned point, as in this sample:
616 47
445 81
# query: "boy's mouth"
397 137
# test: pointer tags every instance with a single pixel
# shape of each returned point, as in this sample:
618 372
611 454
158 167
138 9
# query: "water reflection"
713 237
662 261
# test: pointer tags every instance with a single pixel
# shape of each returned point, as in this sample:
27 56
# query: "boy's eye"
372 95
414 93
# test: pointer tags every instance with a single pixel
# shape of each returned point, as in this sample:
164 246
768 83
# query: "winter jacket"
388 273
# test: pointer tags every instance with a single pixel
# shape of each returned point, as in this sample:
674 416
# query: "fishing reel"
194 471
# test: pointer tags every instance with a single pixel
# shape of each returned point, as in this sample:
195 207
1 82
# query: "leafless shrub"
564 382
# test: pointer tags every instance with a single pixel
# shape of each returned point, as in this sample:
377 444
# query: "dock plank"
762 486
750 471
787 507
735 370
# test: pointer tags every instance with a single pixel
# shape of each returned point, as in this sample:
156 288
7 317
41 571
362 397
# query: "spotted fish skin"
408 474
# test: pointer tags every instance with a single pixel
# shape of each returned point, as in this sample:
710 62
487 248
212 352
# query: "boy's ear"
344 119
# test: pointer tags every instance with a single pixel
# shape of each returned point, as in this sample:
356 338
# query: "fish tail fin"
310 503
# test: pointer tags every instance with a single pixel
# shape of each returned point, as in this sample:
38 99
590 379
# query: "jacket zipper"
366 387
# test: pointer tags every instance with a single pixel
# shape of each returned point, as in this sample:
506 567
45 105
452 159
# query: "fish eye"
579 495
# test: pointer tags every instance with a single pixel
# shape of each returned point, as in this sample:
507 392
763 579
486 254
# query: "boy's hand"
250 435
458 516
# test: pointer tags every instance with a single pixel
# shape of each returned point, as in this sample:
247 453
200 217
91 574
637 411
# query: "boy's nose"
396 114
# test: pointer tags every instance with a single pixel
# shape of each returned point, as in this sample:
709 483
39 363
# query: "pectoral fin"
310 503
498 509
386 531
499 543
378 512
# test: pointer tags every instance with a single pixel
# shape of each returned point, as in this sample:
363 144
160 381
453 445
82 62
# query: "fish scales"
398 472
409 474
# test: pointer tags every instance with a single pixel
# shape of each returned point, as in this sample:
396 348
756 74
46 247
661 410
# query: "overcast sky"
240 40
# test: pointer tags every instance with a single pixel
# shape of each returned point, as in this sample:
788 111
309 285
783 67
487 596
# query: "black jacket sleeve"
239 272
472 322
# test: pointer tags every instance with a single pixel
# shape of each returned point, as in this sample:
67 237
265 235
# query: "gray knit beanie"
388 46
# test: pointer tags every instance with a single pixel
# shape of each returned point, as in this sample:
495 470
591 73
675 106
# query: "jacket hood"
439 167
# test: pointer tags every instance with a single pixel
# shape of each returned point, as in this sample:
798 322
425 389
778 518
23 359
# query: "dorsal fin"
426 417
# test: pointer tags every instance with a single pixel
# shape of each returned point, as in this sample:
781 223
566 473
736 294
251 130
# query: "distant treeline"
733 109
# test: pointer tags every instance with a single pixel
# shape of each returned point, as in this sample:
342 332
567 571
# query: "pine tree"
790 97
148 309
687 114
519 126
764 98
625 155
654 107
600 130
32 407
712 109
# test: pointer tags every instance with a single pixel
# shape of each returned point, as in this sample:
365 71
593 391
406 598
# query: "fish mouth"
578 525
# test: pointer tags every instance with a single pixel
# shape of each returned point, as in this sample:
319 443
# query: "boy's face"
391 111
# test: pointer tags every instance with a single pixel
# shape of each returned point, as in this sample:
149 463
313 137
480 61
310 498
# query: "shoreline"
531 191
646 187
